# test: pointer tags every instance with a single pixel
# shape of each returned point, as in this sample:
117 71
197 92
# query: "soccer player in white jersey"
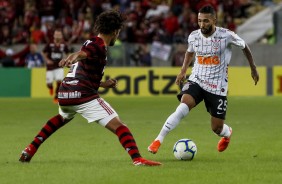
208 81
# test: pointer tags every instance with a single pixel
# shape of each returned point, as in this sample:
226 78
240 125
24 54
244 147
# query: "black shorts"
216 105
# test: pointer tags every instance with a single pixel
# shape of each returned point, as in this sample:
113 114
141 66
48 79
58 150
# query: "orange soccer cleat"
223 142
143 161
154 147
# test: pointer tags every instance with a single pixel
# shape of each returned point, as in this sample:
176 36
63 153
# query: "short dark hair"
108 22
207 9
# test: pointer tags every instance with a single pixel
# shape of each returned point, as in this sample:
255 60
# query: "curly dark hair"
208 9
109 21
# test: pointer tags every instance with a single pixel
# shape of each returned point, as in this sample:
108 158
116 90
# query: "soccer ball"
184 149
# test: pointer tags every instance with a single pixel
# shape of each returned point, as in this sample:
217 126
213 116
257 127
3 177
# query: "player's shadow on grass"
198 160
79 161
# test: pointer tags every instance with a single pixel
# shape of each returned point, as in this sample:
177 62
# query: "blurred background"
154 39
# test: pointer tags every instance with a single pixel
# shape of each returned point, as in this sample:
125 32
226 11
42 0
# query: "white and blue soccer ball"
185 149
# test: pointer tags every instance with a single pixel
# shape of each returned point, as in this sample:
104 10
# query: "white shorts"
96 110
54 75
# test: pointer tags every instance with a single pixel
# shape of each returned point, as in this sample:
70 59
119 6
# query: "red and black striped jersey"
55 52
83 79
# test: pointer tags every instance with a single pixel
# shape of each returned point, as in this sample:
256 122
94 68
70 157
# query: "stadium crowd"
167 21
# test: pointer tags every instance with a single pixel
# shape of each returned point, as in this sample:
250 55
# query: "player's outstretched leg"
128 142
224 141
47 130
172 121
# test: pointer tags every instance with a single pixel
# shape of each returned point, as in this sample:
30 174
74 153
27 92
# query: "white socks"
173 120
225 131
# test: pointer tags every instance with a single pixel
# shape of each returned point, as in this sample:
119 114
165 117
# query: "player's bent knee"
113 124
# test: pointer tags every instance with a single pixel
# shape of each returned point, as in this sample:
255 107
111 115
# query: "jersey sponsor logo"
214 86
73 82
69 95
57 55
208 60
206 54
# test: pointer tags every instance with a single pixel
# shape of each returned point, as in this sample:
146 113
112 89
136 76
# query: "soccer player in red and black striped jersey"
53 53
78 92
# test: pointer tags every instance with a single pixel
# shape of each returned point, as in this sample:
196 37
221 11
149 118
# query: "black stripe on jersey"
95 48
89 50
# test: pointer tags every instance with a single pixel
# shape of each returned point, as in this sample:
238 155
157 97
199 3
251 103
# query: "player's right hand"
181 77
255 75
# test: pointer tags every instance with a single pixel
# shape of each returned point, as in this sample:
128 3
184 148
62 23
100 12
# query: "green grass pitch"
88 153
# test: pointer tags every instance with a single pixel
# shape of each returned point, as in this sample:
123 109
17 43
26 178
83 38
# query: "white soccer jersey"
212 58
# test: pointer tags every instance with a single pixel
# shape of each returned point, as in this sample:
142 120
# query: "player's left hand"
110 83
255 75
